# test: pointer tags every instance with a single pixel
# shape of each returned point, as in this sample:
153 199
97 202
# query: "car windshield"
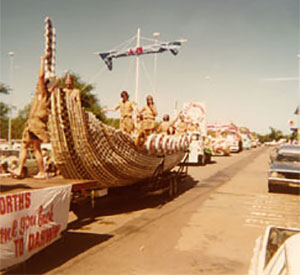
288 157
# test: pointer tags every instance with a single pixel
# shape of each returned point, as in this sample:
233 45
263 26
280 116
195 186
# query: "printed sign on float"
196 111
30 221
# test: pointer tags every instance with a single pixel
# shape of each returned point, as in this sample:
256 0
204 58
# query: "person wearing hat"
166 127
182 126
69 89
35 131
127 108
149 113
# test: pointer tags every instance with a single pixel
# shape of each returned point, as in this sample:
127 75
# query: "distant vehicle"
271 143
282 141
234 140
276 252
284 170
16 146
246 141
254 143
4 146
11 158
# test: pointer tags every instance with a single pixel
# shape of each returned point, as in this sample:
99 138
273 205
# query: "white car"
277 252
10 159
233 143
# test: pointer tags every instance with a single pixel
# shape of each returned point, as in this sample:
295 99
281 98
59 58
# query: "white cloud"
280 79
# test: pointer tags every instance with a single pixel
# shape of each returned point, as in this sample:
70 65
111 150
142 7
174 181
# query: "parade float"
85 148
231 132
219 145
225 138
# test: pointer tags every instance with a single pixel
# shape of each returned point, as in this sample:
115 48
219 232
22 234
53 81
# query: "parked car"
235 142
276 252
11 159
246 141
271 143
284 169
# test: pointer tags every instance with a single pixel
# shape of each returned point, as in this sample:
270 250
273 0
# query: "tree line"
276 135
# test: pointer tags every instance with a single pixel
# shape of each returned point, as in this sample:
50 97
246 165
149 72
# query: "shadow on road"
124 200
66 248
199 165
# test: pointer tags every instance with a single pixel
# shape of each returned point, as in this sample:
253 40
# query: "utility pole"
138 37
11 55
155 35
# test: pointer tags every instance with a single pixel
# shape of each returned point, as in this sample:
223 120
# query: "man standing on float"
69 89
35 131
127 108
149 113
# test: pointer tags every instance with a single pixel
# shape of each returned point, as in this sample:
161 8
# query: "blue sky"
240 58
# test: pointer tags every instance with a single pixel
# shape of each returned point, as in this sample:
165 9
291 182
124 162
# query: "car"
271 143
235 142
284 170
276 252
246 141
10 159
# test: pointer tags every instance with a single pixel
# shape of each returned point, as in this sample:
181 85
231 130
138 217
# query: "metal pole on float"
155 35
298 114
11 54
138 37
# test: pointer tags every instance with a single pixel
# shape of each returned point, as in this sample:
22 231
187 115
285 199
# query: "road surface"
210 228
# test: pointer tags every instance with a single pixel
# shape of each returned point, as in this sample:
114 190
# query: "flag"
108 57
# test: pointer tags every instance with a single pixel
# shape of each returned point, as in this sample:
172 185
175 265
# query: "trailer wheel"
171 191
175 182
173 187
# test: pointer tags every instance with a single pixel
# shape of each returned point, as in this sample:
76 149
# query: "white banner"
30 221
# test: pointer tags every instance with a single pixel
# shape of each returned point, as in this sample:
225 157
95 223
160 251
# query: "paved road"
210 228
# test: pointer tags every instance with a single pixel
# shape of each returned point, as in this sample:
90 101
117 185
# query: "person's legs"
22 157
39 156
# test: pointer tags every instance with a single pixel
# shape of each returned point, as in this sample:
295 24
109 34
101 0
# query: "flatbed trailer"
82 189
10 185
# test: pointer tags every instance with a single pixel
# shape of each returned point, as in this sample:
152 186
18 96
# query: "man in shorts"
35 131
127 109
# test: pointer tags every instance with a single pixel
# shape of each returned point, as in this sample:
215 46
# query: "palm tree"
275 134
